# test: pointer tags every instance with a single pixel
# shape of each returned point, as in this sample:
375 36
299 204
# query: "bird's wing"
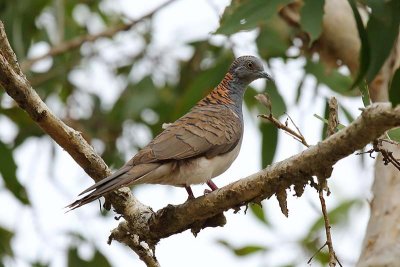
207 131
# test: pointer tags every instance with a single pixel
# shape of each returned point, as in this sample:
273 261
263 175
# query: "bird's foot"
212 186
190 193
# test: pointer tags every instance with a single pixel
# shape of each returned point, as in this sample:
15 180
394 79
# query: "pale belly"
188 172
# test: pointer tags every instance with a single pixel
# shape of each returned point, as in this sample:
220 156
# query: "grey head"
246 69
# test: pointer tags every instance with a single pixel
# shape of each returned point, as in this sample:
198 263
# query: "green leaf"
311 18
8 170
394 91
364 57
269 143
333 79
5 243
365 93
268 131
340 214
394 134
274 38
326 115
258 211
340 126
382 31
250 100
244 250
247 250
299 89
247 14
347 114
277 102
75 260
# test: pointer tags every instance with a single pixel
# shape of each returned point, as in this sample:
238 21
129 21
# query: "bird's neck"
229 92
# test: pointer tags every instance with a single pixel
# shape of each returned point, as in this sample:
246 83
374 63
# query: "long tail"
125 176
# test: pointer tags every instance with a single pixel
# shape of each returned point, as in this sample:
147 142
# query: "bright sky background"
54 180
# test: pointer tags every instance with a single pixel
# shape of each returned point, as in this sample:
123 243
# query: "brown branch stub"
281 196
78 41
123 235
333 120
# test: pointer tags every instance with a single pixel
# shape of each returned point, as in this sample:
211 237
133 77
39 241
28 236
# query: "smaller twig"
264 100
280 125
387 155
333 122
303 140
332 254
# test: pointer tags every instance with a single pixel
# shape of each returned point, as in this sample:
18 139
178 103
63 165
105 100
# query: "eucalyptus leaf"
383 24
98 259
311 18
8 170
259 213
394 91
364 56
247 14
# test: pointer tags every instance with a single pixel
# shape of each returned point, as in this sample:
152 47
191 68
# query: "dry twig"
263 99
322 183
387 156
333 122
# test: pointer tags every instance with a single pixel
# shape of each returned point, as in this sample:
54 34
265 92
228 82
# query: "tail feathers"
106 180
123 177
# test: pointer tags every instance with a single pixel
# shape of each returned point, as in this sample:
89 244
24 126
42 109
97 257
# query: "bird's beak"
265 75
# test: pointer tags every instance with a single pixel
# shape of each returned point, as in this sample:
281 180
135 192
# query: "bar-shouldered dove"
197 147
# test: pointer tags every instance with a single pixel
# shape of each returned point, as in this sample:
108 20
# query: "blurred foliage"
5 243
383 24
52 22
98 260
244 250
394 92
259 212
311 18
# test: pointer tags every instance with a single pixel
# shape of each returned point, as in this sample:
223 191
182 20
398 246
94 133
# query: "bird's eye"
250 65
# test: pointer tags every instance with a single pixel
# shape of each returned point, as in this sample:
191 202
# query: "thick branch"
18 87
297 170
78 41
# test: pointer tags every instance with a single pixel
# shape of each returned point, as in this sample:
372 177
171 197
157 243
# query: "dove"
197 147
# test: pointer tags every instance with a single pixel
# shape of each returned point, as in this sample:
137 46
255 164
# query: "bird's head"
247 69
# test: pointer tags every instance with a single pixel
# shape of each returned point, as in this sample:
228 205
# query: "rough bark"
381 246
338 44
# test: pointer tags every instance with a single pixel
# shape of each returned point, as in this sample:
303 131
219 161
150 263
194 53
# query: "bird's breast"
201 169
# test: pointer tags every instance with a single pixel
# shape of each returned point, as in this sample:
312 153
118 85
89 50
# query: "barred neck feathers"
226 93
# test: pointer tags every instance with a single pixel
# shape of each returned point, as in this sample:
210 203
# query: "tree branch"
18 87
143 228
78 41
296 170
